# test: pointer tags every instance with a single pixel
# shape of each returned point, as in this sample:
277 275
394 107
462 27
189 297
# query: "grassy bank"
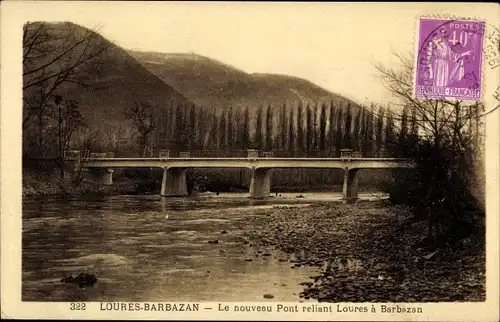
369 252
35 184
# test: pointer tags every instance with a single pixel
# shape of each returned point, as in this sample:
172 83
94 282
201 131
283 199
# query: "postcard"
250 161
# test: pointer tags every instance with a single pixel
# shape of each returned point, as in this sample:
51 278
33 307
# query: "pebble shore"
367 253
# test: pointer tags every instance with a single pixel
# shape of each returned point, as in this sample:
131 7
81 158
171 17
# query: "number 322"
77 306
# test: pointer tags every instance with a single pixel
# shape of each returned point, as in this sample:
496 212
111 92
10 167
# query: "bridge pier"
102 176
260 182
350 186
173 183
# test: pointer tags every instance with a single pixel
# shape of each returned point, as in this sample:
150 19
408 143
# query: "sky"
333 45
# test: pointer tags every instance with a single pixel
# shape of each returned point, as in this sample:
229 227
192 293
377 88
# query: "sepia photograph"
283 157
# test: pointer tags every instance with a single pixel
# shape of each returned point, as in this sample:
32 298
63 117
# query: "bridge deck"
247 158
249 162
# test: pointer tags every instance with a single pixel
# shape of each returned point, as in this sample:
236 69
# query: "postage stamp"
449 59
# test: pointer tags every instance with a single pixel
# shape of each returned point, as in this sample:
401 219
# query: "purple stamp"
449 59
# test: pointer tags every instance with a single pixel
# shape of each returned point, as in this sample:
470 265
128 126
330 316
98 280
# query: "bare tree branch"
54 54
141 116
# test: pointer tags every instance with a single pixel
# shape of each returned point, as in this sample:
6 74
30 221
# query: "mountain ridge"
208 81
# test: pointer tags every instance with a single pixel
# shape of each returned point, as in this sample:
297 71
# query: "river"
148 248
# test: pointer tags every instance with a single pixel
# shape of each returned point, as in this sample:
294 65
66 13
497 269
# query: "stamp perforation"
440 87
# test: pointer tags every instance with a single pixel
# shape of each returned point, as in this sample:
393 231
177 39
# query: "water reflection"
148 248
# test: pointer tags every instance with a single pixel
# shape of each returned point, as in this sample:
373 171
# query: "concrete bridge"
174 168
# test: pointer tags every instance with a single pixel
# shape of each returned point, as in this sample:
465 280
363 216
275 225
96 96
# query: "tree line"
322 129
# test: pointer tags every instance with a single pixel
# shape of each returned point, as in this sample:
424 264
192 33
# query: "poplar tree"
357 130
245 129
180 131
389 131
368 133
347 128
379 129
283 143
201 126
413 125
403 132
269 128
339 135
309 130
322 130
193 129
212 134
300 128
331 131
222 130
314 128
258 129
291 134
231 137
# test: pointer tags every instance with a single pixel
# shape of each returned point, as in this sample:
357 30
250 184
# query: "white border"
12 14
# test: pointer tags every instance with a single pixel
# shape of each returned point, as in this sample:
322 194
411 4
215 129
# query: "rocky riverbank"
367 252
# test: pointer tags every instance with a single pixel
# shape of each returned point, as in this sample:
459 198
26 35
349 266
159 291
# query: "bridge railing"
253 153
128 154
250 153
219 154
